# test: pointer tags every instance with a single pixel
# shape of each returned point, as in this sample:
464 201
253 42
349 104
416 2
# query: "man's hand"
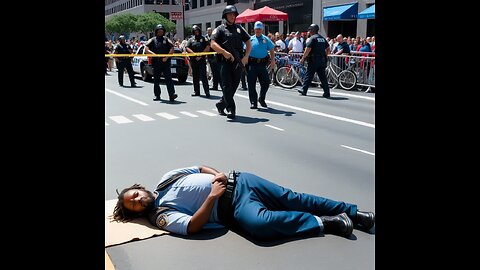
218 188
220 177
245 60
302 60
228 56
198 58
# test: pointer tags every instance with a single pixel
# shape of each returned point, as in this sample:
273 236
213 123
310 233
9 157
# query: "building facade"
208 13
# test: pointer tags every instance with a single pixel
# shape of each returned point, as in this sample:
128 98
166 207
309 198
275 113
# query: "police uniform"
161 45
317 62
212 59
255 205
230 38
257 68
124 63
198 43
244 72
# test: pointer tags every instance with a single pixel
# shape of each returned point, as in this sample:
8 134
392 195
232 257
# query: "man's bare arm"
200 217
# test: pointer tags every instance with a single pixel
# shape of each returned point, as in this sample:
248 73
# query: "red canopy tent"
264 14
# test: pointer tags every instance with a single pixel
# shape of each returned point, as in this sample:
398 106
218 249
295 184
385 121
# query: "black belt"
225 202
258 60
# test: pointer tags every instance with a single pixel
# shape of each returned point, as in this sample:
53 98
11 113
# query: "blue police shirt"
186 196
260 46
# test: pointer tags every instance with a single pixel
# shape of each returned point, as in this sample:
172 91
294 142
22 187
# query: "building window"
207 25
209 2
202 3
217 23
194 4
166 2
218 1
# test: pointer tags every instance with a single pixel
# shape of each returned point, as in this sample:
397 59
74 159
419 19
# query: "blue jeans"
266 210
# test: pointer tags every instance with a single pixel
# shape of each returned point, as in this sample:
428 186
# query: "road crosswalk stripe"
189 114
167 116
120 119
144 117
206 113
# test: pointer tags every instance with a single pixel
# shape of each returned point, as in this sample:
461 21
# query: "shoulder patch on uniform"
308 39
162 221
214 31
238 30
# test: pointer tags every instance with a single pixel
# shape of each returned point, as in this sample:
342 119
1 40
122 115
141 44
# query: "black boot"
339 225
364 220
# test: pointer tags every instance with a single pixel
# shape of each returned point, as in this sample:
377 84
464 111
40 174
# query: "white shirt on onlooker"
281 44
295 45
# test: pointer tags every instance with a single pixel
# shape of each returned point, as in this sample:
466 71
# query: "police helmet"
313 27
258 25
229 9
122 37
158 27
194 28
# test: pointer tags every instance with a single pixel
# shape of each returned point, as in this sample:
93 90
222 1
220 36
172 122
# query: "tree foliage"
146 22
125 23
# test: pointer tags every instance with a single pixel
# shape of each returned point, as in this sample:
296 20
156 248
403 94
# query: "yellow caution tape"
160 55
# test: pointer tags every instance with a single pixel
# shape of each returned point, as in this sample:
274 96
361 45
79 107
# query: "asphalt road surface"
307 143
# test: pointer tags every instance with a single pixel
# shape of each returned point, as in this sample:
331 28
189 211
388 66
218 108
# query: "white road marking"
120 119
207 113
167 116
126 97
343 94
144 117
270 126
361 123
359 150
189 114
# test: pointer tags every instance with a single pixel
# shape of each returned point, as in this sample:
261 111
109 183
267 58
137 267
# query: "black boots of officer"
340 225
364 220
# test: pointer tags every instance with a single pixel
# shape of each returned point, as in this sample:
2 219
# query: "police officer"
212 60
316 52
227 42
198 43
124 62
161 45
258 61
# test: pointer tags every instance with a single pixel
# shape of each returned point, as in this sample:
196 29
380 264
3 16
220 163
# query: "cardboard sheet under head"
119 232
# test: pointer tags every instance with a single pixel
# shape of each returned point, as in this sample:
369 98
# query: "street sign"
174 15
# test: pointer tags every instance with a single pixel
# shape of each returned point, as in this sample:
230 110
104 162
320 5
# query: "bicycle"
294 72
347 79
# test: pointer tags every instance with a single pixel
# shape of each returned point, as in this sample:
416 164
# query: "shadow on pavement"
247 120
275 111
166 101
276 242
203 235
331 98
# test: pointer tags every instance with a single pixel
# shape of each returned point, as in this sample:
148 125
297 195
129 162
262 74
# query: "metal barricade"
359 63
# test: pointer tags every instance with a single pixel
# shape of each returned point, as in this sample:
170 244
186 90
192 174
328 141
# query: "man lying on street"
187 200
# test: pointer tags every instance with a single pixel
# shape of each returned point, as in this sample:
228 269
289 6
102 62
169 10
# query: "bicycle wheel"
332 81
286 77
347 79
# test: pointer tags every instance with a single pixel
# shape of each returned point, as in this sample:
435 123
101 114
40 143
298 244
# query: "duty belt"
257 60
225 202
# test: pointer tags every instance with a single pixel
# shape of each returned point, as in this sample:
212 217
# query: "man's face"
137 200
209 31
160 33
258 31
231 17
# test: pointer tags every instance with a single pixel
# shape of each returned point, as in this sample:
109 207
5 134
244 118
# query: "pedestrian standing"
261 56
161 45
196 44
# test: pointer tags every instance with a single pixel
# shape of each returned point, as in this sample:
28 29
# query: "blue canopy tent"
368 13
343 12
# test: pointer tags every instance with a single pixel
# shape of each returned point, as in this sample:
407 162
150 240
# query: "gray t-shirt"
185 196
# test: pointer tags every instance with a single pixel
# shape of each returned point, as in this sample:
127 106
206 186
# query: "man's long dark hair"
122 214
